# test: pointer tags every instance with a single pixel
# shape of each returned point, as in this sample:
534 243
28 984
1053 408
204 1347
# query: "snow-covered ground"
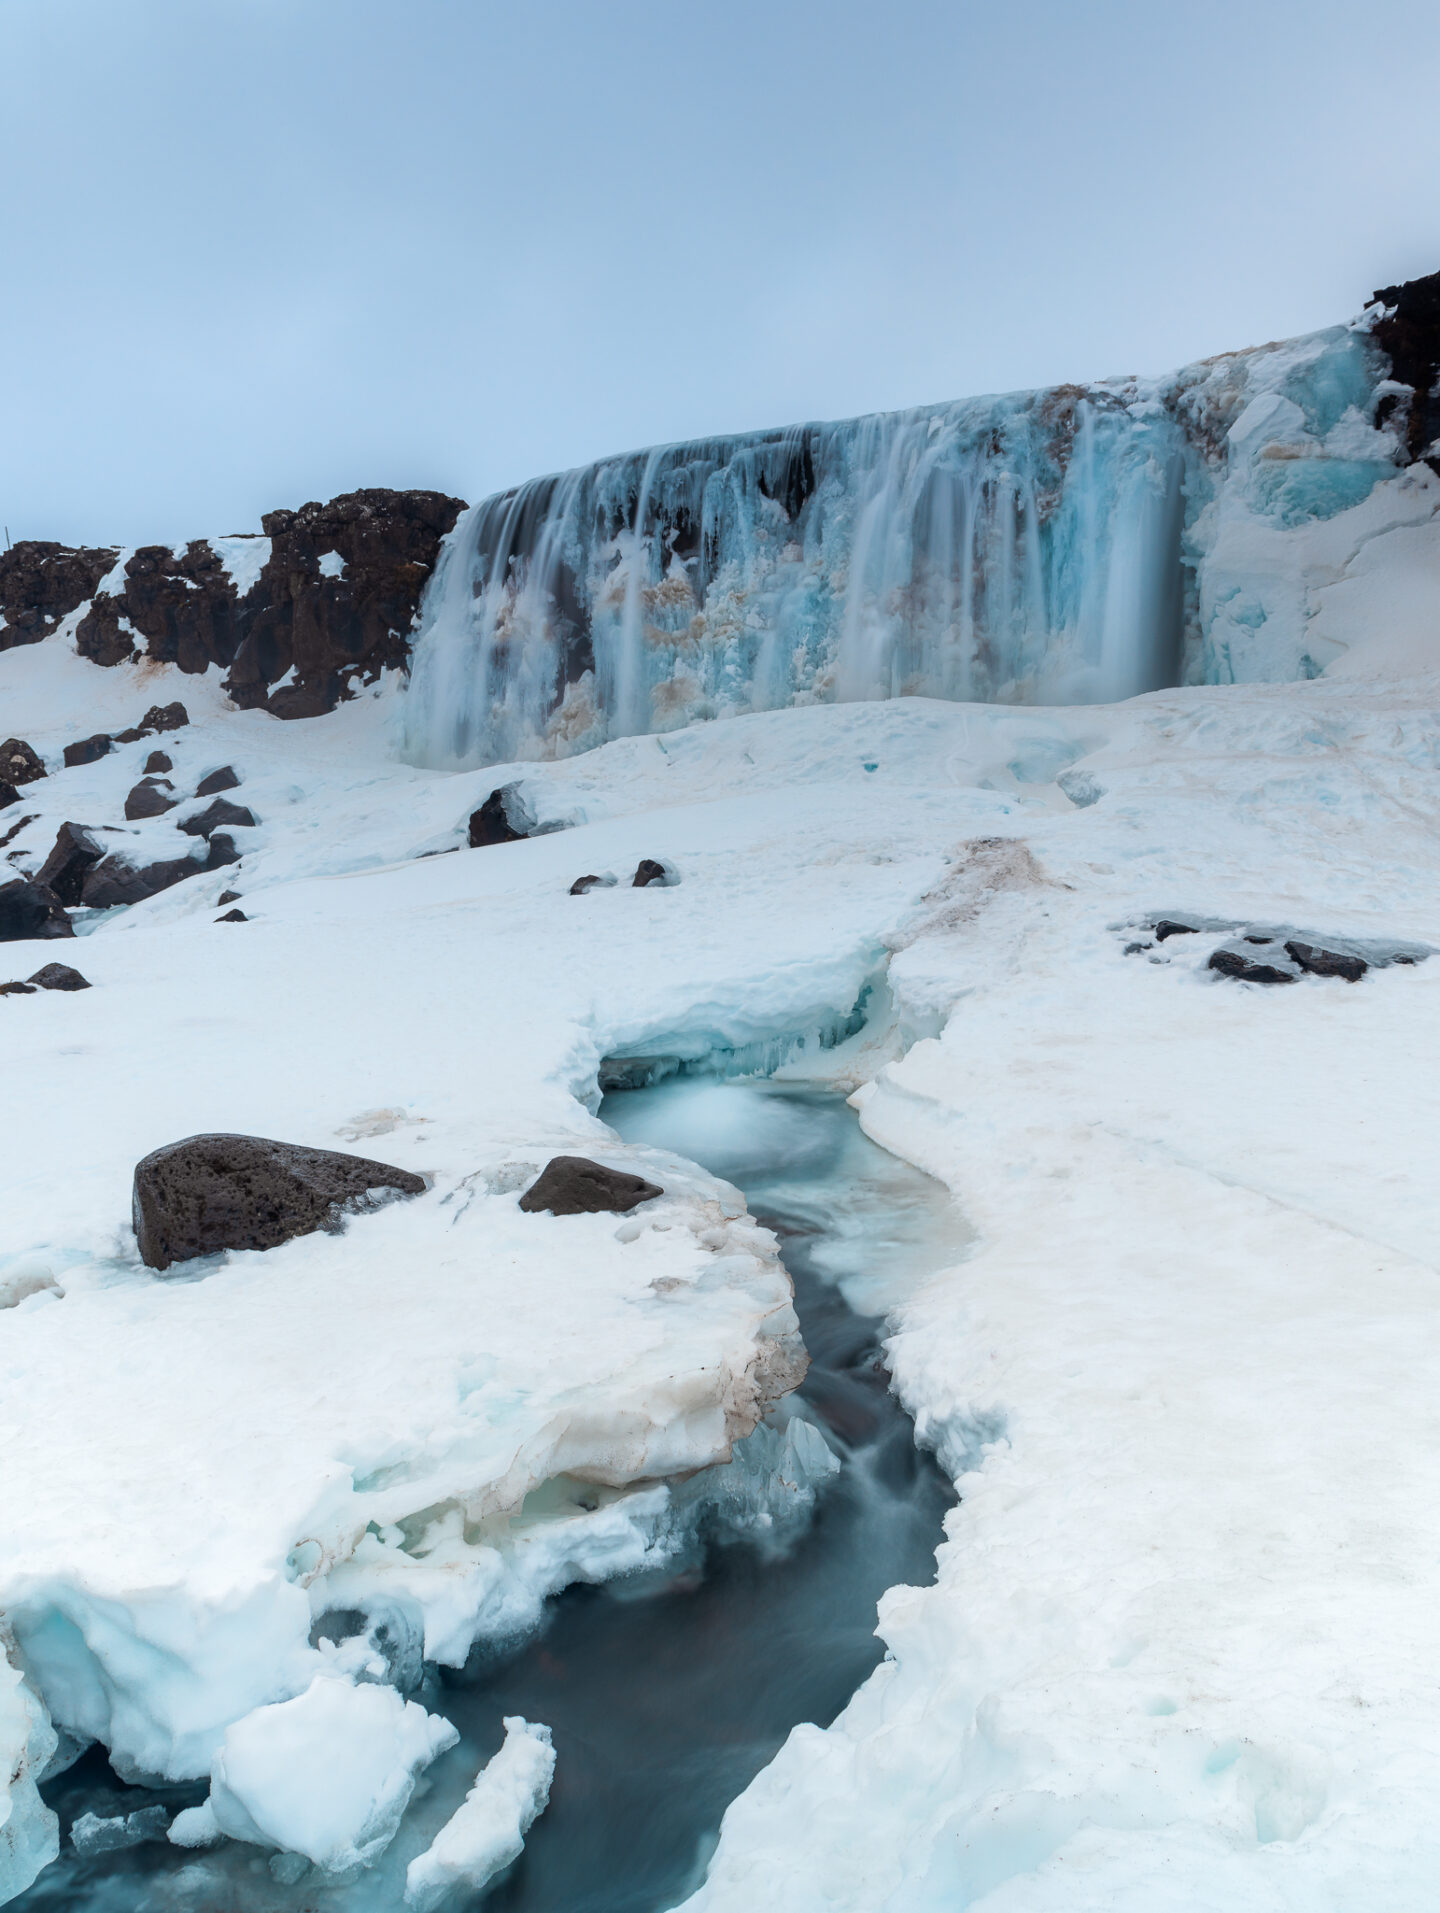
1179 1650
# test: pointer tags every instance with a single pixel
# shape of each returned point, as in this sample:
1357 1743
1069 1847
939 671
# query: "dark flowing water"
665 1697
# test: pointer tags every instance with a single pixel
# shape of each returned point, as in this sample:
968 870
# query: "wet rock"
582 884
573 1186
19 763
504 818
246 1192
149 798
1319 961
223 779
59 976
30 910
157 763
64 870
8 795
648 871
1255 961
165 717
233 916
222 814
88 750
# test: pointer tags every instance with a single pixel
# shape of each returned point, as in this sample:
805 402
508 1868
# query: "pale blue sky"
259 251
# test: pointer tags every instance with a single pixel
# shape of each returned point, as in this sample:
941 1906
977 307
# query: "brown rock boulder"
64 870
29 910
574 1186
19 764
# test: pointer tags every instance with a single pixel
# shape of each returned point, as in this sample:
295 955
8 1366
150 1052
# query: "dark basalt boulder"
116 880
149 798
582 884
223 779
17 989
228 896
19 763
648 871
165 717
88 750
157 763
1265 963
504 818
233 916
59 976
222 814
575 1186
8 795
1321 962
246 1192
30 910
64 870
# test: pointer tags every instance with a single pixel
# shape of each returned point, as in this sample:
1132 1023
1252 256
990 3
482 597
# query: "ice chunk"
487 1831
29 1831
93 1834
328 1774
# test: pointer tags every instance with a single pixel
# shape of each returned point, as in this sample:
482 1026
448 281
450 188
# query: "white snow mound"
487 1831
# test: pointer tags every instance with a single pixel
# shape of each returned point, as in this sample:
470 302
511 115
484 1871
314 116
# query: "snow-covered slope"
1177 1654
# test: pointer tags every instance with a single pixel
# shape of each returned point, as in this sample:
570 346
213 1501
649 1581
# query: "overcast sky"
259 251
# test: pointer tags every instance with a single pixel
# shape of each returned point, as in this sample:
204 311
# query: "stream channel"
666 1698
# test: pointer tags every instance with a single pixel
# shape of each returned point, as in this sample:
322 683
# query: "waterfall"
1018 549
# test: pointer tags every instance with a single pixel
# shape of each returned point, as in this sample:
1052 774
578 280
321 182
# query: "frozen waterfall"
1016 549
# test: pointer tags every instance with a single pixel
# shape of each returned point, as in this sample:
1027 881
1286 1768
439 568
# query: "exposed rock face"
331 607
41 584
575 1186
59 976
504 818
117 880
64 870
245 1192
19 764
1410 334
30 910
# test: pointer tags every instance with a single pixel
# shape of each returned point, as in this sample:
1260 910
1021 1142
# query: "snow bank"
488 1830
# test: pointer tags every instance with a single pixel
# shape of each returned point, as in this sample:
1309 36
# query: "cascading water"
1015 549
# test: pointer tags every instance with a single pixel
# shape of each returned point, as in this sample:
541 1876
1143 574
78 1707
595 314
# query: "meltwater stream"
665 1698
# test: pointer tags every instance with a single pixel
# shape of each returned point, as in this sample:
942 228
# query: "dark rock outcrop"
88 750
8 795
574 1186
245 1192
41 583
228 896
649 871
582 884
504 818
75 851
30 910
118 880
1319 961
17 989
233 916
1264 964
59 976
221 815
223 779
164 717
19 763
149 798
157 763
1409 333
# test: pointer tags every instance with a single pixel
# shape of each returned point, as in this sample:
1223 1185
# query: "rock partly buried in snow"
75 852
582 884
221 815
165 717
8 795
17 989
87 750
649 871
228 896
246 1192
149 798
1255 960
117 880
19 764
223 779
157 763
1322 962
30 910
233 916
504 818
575 1186
59 976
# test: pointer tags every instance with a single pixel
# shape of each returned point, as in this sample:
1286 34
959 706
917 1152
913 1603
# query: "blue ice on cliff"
1041 547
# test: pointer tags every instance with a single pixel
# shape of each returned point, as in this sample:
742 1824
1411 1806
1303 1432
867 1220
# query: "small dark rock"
228 896
1169 927
15 829
575 1186
89 750
1322 962
1252 969
165 717
503 818
30 910
148 799
222 851
59 976
132 736
64 870
17 989
8 795
648 872
245 1192
223 779
233 916
221 813
116 880
19 764
157 763
582 884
